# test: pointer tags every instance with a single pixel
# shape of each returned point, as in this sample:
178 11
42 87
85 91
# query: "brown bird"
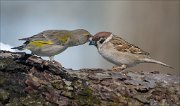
120 52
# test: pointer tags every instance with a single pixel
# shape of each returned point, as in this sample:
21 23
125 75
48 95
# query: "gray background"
151 25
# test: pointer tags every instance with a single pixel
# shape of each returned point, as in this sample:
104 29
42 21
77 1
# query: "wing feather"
124 46
56 36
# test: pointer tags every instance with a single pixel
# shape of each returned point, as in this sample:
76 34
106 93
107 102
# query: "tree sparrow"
120 52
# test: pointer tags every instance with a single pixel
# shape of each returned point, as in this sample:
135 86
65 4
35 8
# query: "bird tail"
155 61
22 47
19 47
26 39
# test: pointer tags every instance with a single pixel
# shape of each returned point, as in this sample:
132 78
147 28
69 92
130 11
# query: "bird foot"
119 68
55 63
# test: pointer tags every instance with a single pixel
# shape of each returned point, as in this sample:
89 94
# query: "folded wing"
124 46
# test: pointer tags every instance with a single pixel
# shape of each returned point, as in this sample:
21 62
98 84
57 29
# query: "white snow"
6 47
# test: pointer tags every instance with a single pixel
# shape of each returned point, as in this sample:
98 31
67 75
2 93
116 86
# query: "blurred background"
151 25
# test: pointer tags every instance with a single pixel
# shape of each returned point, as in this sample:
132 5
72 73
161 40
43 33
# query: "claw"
119 68
51 59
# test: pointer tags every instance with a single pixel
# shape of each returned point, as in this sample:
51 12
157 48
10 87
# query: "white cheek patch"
107 40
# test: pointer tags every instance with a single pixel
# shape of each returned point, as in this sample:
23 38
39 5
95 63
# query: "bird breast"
108 51
49 50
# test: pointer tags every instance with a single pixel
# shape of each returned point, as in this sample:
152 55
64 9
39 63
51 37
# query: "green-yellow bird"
52 42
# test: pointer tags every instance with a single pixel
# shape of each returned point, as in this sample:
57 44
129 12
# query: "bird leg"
51 59
119 68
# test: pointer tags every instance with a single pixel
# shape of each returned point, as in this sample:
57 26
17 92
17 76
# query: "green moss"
108 103
2 79
4 95
86 97
68 94
10 65
58 85
30 100
3 64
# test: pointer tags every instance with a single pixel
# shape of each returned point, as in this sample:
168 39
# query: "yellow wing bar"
40 43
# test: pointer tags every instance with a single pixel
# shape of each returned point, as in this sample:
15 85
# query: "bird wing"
59 37
124 46
35 38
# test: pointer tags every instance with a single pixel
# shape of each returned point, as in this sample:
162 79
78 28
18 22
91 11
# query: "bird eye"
101 41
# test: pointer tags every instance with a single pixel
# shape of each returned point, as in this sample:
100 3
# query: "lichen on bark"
27 80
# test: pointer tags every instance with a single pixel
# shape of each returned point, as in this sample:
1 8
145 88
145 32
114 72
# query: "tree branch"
30 80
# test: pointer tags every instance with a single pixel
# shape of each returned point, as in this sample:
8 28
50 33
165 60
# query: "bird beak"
92 43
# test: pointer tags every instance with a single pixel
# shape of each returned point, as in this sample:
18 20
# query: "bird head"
99 38
79 37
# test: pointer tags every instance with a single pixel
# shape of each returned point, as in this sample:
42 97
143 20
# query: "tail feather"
19 47
24 39
22 47
155 61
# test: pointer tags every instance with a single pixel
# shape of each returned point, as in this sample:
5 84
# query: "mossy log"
27 80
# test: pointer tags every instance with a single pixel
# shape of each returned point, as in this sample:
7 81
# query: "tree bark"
27 80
